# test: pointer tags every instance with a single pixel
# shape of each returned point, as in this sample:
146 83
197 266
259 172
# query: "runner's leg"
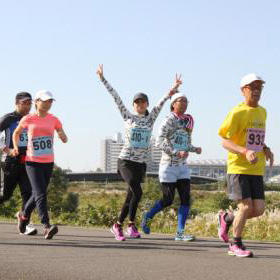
9 180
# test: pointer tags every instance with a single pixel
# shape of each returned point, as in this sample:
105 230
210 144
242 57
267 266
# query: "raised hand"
99 71
178 82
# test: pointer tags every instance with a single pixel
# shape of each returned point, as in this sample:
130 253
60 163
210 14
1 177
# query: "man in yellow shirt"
243 135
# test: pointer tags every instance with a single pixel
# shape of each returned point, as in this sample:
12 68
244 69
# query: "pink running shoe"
116 229
132 231
223 227
240 252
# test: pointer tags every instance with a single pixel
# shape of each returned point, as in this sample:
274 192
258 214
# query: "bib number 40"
140 138
180 141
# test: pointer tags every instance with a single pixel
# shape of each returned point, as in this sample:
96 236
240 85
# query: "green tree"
70 202
56 191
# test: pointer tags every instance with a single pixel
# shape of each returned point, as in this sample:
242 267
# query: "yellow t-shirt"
245 126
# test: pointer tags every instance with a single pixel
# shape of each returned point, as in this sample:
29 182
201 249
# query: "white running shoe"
30 230
180 236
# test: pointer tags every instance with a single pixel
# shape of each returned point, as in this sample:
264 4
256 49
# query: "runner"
13 171
175 141
131 162
243 135
39 158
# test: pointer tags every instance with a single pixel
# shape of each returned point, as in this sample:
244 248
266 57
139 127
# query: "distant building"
110 150
274 179
154 158
218 169
209 168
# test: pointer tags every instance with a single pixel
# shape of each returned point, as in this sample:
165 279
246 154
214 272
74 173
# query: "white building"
209 168
274 179
110 150
154 158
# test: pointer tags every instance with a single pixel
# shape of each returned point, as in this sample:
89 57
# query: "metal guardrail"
115 177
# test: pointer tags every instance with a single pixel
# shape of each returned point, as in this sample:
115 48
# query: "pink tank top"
40 133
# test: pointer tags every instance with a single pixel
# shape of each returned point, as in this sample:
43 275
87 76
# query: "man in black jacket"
13 171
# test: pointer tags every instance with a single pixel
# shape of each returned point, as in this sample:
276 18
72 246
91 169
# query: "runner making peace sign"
132 158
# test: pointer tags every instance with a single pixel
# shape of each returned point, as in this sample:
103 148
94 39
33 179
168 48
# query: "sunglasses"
26 102
255 87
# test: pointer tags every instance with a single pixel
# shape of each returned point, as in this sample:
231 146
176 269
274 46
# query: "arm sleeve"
156 110
3 126
58 124
230 126
2 140
189 128
23 122
3 123
163 141
124 112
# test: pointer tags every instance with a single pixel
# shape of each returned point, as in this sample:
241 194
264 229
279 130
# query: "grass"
100 204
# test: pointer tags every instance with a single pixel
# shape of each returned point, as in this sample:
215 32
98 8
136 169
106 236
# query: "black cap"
140 96
22 96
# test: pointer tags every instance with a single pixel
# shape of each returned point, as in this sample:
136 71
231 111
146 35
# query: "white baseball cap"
44 95
176 96
250 78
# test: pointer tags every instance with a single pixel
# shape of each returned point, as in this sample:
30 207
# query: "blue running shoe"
145 224
180 236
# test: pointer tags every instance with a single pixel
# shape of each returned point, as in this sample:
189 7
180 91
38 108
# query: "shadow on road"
122 246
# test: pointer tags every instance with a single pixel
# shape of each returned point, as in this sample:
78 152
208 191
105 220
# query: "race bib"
180 141
42 146
22 142
255 139
140 138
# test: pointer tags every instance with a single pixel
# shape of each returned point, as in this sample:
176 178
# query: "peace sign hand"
178 82
99 71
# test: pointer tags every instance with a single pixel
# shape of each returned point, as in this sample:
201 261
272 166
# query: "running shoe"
22 222
180 236
30 230
50 231
132 231
116 229
223 227
145 224
240 252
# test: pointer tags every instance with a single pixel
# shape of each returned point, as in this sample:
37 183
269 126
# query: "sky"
57 45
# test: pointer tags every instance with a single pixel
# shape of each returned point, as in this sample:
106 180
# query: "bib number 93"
255 139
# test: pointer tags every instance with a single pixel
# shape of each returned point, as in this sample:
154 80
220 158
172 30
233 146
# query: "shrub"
70 202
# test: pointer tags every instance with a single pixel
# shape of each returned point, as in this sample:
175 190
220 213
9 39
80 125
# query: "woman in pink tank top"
39 164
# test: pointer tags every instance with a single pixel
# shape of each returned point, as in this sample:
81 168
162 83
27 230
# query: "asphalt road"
79 253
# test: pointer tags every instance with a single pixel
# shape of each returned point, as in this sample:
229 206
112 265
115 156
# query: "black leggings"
12 174
168 191
133 173
39 175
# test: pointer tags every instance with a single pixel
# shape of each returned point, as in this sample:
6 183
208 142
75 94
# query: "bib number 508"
42 145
